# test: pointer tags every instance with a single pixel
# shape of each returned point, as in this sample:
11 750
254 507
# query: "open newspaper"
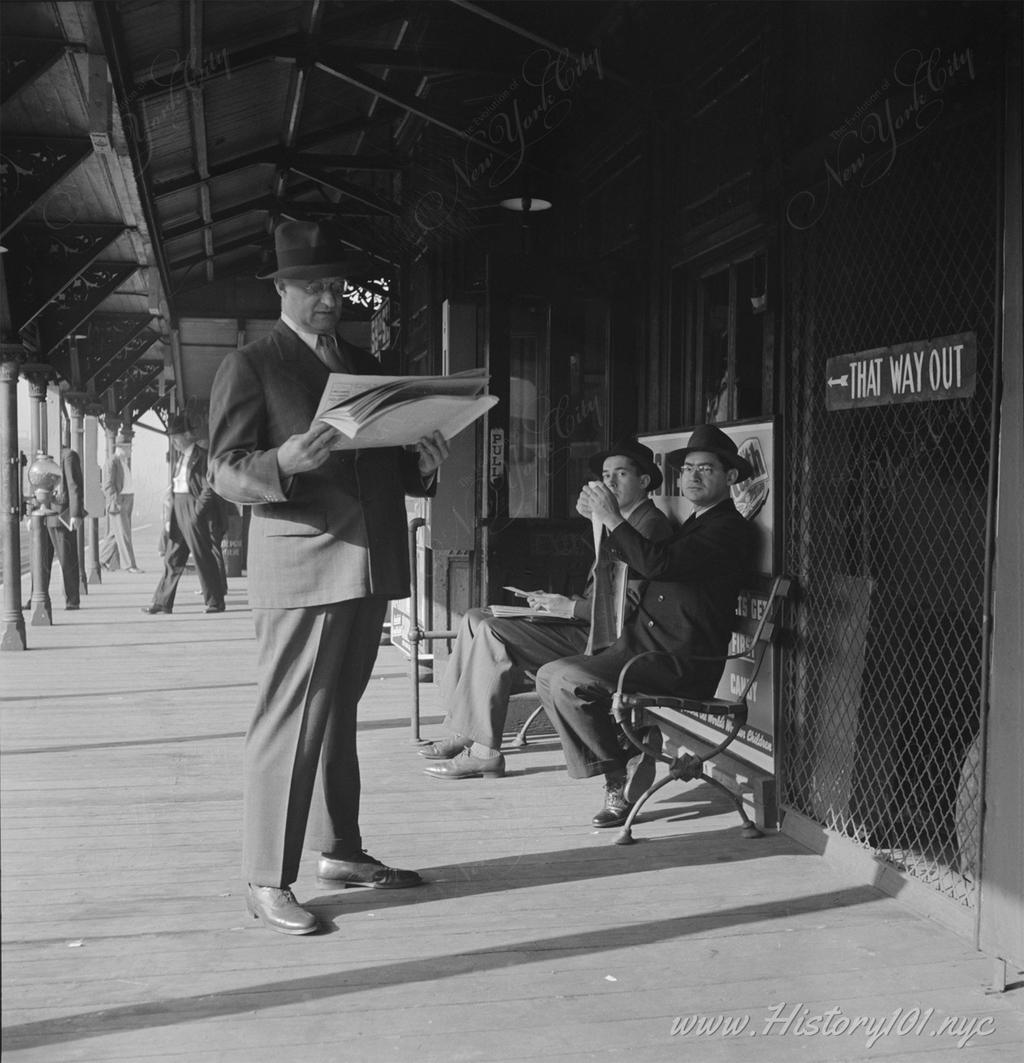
523 612
391 411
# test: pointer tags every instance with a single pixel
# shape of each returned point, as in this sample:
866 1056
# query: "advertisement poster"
754 498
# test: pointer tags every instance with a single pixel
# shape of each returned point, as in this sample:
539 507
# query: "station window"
529 369
557 408
722 343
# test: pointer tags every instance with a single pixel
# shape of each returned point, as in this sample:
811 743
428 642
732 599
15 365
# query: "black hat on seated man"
306 251
708 438
631 448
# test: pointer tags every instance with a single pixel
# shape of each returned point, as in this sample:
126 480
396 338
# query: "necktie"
328 353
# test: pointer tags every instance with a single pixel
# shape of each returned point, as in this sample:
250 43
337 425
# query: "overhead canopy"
150 147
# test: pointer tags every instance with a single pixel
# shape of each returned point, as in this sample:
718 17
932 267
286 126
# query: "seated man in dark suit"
492 653
686 610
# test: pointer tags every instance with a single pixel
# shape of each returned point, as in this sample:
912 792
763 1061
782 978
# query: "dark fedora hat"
306 251
709 438
631 448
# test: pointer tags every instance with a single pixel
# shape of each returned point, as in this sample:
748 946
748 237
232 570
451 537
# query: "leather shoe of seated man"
279 910
364 870
468 766
616 807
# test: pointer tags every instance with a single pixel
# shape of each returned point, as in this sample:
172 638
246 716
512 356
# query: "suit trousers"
63 542
188 535
217 533
316 662
577 697
490 657
121 528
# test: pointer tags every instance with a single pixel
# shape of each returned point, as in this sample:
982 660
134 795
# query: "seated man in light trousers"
492 654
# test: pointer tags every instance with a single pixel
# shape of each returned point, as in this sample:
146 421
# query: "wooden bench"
635 711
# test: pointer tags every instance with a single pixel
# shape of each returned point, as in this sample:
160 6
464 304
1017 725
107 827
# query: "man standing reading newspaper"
327 550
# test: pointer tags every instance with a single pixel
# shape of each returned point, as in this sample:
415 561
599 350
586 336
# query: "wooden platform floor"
125 936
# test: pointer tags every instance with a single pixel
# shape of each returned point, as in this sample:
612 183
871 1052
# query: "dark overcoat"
689 602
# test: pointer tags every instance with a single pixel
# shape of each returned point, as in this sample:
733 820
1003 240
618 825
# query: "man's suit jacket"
652 524
688 605
74 487
113 482
598 604
312 537
72 493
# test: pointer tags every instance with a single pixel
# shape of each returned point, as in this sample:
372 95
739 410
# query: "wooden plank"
125 936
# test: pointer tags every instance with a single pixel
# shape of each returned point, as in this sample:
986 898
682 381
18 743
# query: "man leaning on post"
327 551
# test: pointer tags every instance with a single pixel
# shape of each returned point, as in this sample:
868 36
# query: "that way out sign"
922 371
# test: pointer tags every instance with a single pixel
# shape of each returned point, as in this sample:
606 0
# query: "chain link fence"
886 516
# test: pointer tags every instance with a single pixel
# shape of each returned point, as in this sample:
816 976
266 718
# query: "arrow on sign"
839 381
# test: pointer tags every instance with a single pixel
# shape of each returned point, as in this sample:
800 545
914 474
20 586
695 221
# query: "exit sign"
922 371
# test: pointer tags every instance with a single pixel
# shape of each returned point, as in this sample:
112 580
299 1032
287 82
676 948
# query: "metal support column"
12 622
41 607
41 612
37 377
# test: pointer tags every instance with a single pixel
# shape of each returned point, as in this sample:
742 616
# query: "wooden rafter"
276 156
223 248
79 301
30 167
128 355
43 260
190 228
133 381
407 102
106 335
346 188
25 60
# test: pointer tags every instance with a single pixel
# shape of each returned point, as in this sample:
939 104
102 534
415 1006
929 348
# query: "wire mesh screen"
886 517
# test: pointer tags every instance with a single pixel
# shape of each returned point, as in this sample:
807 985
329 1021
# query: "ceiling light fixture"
526 204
